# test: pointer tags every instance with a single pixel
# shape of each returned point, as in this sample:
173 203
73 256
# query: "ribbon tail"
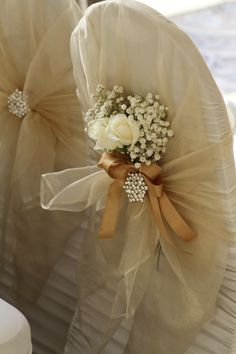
111 211
173 218
154 201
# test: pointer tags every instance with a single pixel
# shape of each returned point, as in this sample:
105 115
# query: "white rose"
96 126
122 130
97 132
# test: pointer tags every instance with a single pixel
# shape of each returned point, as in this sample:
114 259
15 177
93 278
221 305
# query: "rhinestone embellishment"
135 187
17 104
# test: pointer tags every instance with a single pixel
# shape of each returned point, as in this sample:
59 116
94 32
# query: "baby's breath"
149 113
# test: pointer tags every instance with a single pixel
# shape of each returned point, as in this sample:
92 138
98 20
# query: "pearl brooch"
135 187
17 104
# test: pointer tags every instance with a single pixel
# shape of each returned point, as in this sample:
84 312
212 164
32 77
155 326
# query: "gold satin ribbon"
117 167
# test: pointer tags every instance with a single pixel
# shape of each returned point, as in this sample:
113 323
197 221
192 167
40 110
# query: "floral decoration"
131 125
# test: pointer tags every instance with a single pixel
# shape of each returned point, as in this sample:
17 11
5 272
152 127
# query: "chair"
40 126
167 296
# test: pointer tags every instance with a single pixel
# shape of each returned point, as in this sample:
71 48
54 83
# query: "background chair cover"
35 58
126 43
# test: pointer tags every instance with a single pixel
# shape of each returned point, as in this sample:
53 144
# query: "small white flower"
164 131
137 165
151 109
116 88
149 152
133 155
154 126
141 133
154 146
100 88
129 111
154 136
157 156
133 102
165 140
111 95
170 133
142 140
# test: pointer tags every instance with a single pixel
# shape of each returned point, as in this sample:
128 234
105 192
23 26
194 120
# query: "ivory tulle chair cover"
127 43
35 59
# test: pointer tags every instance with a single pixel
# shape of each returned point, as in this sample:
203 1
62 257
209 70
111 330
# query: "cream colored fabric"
129 44
35 58
14 331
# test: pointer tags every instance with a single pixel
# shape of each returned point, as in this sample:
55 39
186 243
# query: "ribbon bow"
118 167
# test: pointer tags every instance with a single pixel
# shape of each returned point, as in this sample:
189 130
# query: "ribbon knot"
117 167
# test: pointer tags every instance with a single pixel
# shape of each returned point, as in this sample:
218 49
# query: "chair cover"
35 59
122 42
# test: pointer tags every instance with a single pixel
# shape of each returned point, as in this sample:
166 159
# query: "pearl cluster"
135 187
17 104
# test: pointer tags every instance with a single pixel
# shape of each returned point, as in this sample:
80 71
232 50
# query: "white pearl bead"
17 104
135 187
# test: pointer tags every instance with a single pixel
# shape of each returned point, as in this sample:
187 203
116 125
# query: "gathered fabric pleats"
35 60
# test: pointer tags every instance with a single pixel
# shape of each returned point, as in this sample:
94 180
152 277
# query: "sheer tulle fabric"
35 58
129 44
